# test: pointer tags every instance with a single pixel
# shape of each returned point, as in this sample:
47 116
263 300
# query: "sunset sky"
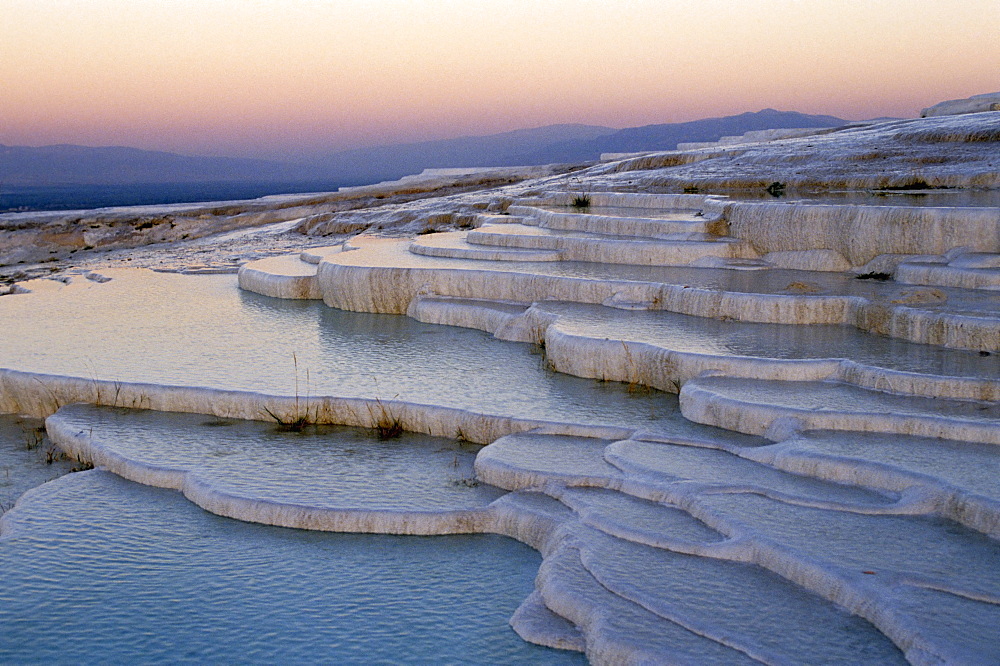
277 78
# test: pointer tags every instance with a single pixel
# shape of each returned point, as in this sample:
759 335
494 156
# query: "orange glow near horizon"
280 78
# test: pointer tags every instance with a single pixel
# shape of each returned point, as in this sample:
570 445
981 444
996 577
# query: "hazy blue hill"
67 176
506 149
667 136
69 165
82 165
73 197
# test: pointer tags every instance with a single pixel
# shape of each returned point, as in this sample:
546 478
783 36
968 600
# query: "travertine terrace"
827 489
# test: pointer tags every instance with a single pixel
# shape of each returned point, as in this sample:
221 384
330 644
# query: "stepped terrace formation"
737 427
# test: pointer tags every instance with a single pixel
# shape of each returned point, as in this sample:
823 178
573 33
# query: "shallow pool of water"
98 569
27 458
967 465
328 467
704 335
203 331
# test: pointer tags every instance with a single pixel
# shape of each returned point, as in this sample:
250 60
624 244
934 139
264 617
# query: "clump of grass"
581 200
385 424
297 424
300 421
776 189
56 401
54 455
881 277
82 466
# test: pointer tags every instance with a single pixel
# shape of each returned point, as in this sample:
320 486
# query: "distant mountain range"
667 136
506 149
79 165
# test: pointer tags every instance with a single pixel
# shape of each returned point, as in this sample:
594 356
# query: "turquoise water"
98 569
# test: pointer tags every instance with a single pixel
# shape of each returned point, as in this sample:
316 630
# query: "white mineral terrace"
387 275
610 290
824 487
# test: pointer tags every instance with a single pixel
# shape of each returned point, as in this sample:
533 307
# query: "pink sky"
280 78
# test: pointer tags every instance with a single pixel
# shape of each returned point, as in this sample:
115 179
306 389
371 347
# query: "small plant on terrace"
385 424
297 424
54 455
300 420
581 200
881 277
82 466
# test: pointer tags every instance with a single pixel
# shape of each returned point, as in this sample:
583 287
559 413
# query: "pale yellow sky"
273 77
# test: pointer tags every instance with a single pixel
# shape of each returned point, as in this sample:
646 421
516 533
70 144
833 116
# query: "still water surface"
96 569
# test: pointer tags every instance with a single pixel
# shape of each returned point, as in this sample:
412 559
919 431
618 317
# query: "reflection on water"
204 331
97 569
330 467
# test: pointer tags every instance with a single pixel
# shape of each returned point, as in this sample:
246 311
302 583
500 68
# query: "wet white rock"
860 233
281 277
957 480
974 104
382 276
751 406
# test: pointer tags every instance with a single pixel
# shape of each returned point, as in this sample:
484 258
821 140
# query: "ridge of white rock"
862 233
286 276
752 406
80 431
974 104
973 270
382 276
954 479
754 136
694 481
665 350
950 151
683 249
41 395
452 244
